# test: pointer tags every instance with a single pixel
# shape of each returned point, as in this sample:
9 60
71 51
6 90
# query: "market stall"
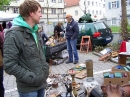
4 16
54 46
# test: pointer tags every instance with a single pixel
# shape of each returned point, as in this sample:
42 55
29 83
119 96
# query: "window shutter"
109 5
117 4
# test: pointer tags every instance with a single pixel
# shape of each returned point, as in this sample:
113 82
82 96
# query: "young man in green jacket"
23 52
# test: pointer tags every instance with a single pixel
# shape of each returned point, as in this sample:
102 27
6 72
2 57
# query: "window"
99 4
53 11
41 0
6 8
88 11
83 28
100 12
92 3
54 1
114 4
88 2
96 4
59 1
127 2
15 10
80 27
60 10
42 11
93 12
113 20
96 11
99 25
103 5
76 12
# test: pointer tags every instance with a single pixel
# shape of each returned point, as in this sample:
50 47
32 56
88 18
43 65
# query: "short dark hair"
28 6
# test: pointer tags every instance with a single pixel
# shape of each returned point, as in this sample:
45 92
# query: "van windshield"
99 25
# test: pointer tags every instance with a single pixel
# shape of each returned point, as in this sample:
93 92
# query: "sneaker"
69 62
75 62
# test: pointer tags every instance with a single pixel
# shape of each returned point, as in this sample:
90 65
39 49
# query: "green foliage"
115 46
98 48
5 3
124 31
116 29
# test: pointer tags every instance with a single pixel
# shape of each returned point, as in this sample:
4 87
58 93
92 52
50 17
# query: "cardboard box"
120 81
116 69
122 57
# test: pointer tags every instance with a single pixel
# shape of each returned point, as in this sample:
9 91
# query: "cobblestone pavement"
98 69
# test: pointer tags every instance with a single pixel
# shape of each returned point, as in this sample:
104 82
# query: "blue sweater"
72 30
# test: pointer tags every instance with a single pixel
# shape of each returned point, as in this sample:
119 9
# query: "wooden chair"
85 44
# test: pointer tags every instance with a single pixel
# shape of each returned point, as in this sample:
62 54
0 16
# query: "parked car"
100 33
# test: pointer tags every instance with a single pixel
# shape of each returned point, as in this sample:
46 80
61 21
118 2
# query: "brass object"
74 92
73 83
89 68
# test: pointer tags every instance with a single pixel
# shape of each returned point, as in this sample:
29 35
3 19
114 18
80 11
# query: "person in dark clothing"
4 25
43 35
1 61
9 24
58 29
44 38
72 31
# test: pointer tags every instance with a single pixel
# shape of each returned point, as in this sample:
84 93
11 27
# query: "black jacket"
58 30
72 30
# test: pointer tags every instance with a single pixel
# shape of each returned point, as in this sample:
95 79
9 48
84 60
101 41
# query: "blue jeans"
39 93
1 83
72 49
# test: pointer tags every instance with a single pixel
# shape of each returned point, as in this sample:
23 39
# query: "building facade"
52 10
95 7
114 11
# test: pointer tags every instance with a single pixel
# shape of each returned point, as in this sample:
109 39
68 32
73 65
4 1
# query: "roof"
70 3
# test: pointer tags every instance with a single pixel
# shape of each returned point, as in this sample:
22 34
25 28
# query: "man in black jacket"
72 31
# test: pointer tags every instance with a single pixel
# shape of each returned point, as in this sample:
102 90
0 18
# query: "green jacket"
24 59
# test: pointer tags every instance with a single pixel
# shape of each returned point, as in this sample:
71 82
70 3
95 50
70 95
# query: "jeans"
1 83
39 93
72 49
